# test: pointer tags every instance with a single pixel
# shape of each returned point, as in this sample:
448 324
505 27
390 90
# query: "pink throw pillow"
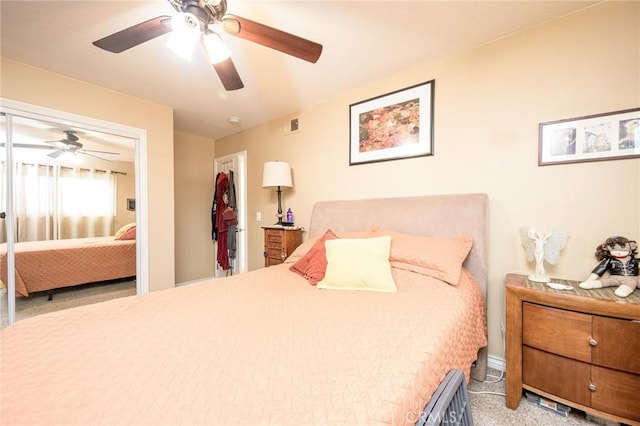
313 264
129 235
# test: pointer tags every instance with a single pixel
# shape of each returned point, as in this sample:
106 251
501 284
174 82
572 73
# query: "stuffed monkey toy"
616 255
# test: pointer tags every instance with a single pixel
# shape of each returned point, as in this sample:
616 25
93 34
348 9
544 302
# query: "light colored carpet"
489 409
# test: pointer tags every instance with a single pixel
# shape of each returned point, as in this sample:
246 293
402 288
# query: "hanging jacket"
222 186
214 228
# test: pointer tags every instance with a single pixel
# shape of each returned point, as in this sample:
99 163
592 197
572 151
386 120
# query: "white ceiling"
363 42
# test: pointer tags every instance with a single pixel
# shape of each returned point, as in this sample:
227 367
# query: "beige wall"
42 88
488 104
193 162
126 189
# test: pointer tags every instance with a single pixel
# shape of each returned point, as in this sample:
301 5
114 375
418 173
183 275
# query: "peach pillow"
358 264
120 233
439 258
313 264
129 235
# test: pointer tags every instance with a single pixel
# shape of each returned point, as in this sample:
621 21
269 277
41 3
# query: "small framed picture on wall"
608 136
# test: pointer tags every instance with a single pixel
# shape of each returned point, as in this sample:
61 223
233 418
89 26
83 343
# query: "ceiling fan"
201 17
70 144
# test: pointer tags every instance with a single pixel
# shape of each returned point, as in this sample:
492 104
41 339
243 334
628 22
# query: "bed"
267 347
52 264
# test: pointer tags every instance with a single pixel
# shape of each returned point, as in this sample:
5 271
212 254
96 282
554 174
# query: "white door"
235 164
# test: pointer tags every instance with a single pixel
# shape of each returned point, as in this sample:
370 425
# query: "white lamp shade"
276 173
216 50
186 34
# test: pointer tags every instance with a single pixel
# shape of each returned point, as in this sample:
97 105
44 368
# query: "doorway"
34 139
235 164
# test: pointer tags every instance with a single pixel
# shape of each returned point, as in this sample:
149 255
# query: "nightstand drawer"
279 243
617 344
558 331
274 252
616 392
270 261
273 238
564 377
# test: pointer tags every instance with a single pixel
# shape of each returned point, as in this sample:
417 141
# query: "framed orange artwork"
392 126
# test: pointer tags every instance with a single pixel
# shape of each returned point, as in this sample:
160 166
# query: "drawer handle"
592 341
592 387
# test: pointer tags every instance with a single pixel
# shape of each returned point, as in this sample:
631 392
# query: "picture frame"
393 126
131 204
609 136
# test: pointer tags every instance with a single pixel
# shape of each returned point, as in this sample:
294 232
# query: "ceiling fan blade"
56 154
58 144
28 146
273 38
83 152
98 152
135 35
228 75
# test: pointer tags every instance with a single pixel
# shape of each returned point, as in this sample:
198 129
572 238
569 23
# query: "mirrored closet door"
68 207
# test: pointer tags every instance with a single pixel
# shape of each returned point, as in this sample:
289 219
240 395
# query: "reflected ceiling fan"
197 20
70 144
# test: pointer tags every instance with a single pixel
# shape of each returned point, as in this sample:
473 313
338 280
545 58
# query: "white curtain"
86 203
54 202
34 185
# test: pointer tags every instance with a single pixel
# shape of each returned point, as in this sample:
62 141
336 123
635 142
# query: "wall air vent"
292 126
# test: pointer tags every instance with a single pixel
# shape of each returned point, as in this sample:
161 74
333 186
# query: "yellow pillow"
358 264
120 232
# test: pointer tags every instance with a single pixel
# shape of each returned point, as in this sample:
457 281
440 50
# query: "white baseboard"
496 363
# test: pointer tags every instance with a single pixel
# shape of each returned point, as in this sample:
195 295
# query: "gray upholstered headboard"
435 215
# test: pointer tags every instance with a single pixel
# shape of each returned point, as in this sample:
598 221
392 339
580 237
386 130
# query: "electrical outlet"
259 216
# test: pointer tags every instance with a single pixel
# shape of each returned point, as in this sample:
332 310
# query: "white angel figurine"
543 247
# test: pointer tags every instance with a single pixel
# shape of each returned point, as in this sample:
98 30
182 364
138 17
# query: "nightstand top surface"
599 293
288 228
602 298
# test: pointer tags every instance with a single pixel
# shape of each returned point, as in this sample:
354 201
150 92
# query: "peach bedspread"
258 348
47 265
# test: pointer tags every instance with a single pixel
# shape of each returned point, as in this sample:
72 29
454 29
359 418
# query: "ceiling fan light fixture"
70 157
216 50
186 33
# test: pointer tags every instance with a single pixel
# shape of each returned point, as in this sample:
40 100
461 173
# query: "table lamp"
277 174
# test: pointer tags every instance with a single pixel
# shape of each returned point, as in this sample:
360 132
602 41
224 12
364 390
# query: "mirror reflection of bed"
75 236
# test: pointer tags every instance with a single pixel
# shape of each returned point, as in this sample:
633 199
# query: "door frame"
22 109
239 158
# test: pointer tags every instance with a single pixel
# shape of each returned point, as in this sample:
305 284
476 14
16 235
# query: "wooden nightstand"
279 243
575 347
